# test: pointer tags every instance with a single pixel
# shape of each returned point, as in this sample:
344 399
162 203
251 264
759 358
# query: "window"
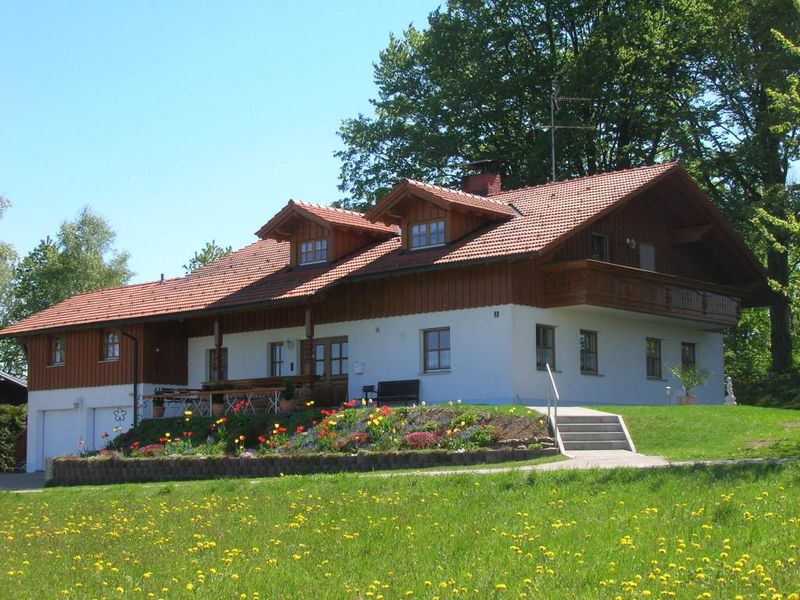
647 257
314 251
110 345
588 343
688 354
212 364
600 247
339 358
653 358
276 359
319 360
425 235
58 350
545 346
436 349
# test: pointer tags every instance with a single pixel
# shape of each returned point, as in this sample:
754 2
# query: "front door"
329 358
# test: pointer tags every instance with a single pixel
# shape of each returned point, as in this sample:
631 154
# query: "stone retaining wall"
94 471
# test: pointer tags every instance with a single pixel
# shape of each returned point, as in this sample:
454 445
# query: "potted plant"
217 405
287 402
690 377
157 404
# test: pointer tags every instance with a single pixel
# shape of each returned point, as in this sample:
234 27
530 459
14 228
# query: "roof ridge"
671 163
331 208
456 191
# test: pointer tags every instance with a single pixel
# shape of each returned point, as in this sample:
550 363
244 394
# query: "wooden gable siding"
450 289
165 353
250 320
83 365
650 219
460 224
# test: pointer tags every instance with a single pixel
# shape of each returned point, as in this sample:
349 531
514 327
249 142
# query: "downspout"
135 378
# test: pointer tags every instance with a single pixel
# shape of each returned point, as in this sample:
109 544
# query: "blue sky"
180 121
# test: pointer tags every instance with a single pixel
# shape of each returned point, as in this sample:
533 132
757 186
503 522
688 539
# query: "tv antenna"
554 100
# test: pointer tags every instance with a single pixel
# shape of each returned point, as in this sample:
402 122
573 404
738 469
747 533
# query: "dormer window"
426 235
313 251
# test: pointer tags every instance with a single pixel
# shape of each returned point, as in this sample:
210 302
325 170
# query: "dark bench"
405 391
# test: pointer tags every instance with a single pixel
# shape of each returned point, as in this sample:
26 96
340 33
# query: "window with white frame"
313 251
436 349
110 345
425 235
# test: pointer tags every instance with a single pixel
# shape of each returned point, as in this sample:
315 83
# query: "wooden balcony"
614 286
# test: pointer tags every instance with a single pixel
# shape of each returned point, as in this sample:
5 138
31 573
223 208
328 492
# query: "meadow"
712 432
699 532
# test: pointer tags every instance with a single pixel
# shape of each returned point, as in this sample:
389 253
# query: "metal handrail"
554 419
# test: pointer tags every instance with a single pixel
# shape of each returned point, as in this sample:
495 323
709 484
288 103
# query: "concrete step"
562 427
593 436
595 446
588 419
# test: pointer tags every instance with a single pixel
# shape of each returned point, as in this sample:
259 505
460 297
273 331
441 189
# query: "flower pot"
158 411
218 409
686 400
286 406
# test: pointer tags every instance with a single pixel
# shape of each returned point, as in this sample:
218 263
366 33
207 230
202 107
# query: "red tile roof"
442 196
326 216
544 216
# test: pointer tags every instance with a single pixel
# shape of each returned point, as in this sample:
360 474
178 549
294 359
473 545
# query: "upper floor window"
688 352
110 345
436 349
425 235
276 359
588 344
313 251
545 347
653 358
58 350
600 247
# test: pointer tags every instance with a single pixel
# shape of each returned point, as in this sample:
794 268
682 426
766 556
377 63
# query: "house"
13 390
609 279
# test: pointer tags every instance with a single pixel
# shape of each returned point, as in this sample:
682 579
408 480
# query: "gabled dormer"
319 234
430 216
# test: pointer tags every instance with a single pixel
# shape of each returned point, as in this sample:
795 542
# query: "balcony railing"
614 286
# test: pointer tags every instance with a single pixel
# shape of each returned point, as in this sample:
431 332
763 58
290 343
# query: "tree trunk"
780 315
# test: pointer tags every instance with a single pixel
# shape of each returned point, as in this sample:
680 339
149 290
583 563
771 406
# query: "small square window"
653 358
436 349
426 235
545 347
313 251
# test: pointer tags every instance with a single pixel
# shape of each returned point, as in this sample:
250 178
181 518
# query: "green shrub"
12 422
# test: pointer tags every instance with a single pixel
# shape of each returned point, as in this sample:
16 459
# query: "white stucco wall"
73 415
621 356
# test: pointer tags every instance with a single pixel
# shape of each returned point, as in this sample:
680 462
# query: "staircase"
600 432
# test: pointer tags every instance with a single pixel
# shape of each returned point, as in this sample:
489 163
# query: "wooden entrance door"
329 358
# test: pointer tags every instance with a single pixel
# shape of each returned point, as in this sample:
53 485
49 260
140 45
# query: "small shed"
13 390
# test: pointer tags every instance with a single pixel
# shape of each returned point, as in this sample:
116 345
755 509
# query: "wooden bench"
405 391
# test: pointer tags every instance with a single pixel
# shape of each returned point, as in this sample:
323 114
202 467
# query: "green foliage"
81 258
690 376
209 253
745 353
12 422
11 358
779 390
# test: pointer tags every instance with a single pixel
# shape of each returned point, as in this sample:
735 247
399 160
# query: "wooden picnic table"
238 400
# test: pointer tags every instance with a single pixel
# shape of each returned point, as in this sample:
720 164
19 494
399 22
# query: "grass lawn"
680 532
712 432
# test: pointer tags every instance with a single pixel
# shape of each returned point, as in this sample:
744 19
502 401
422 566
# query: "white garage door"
62 432
106 420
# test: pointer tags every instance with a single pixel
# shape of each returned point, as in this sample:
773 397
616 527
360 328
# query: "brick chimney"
482 184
